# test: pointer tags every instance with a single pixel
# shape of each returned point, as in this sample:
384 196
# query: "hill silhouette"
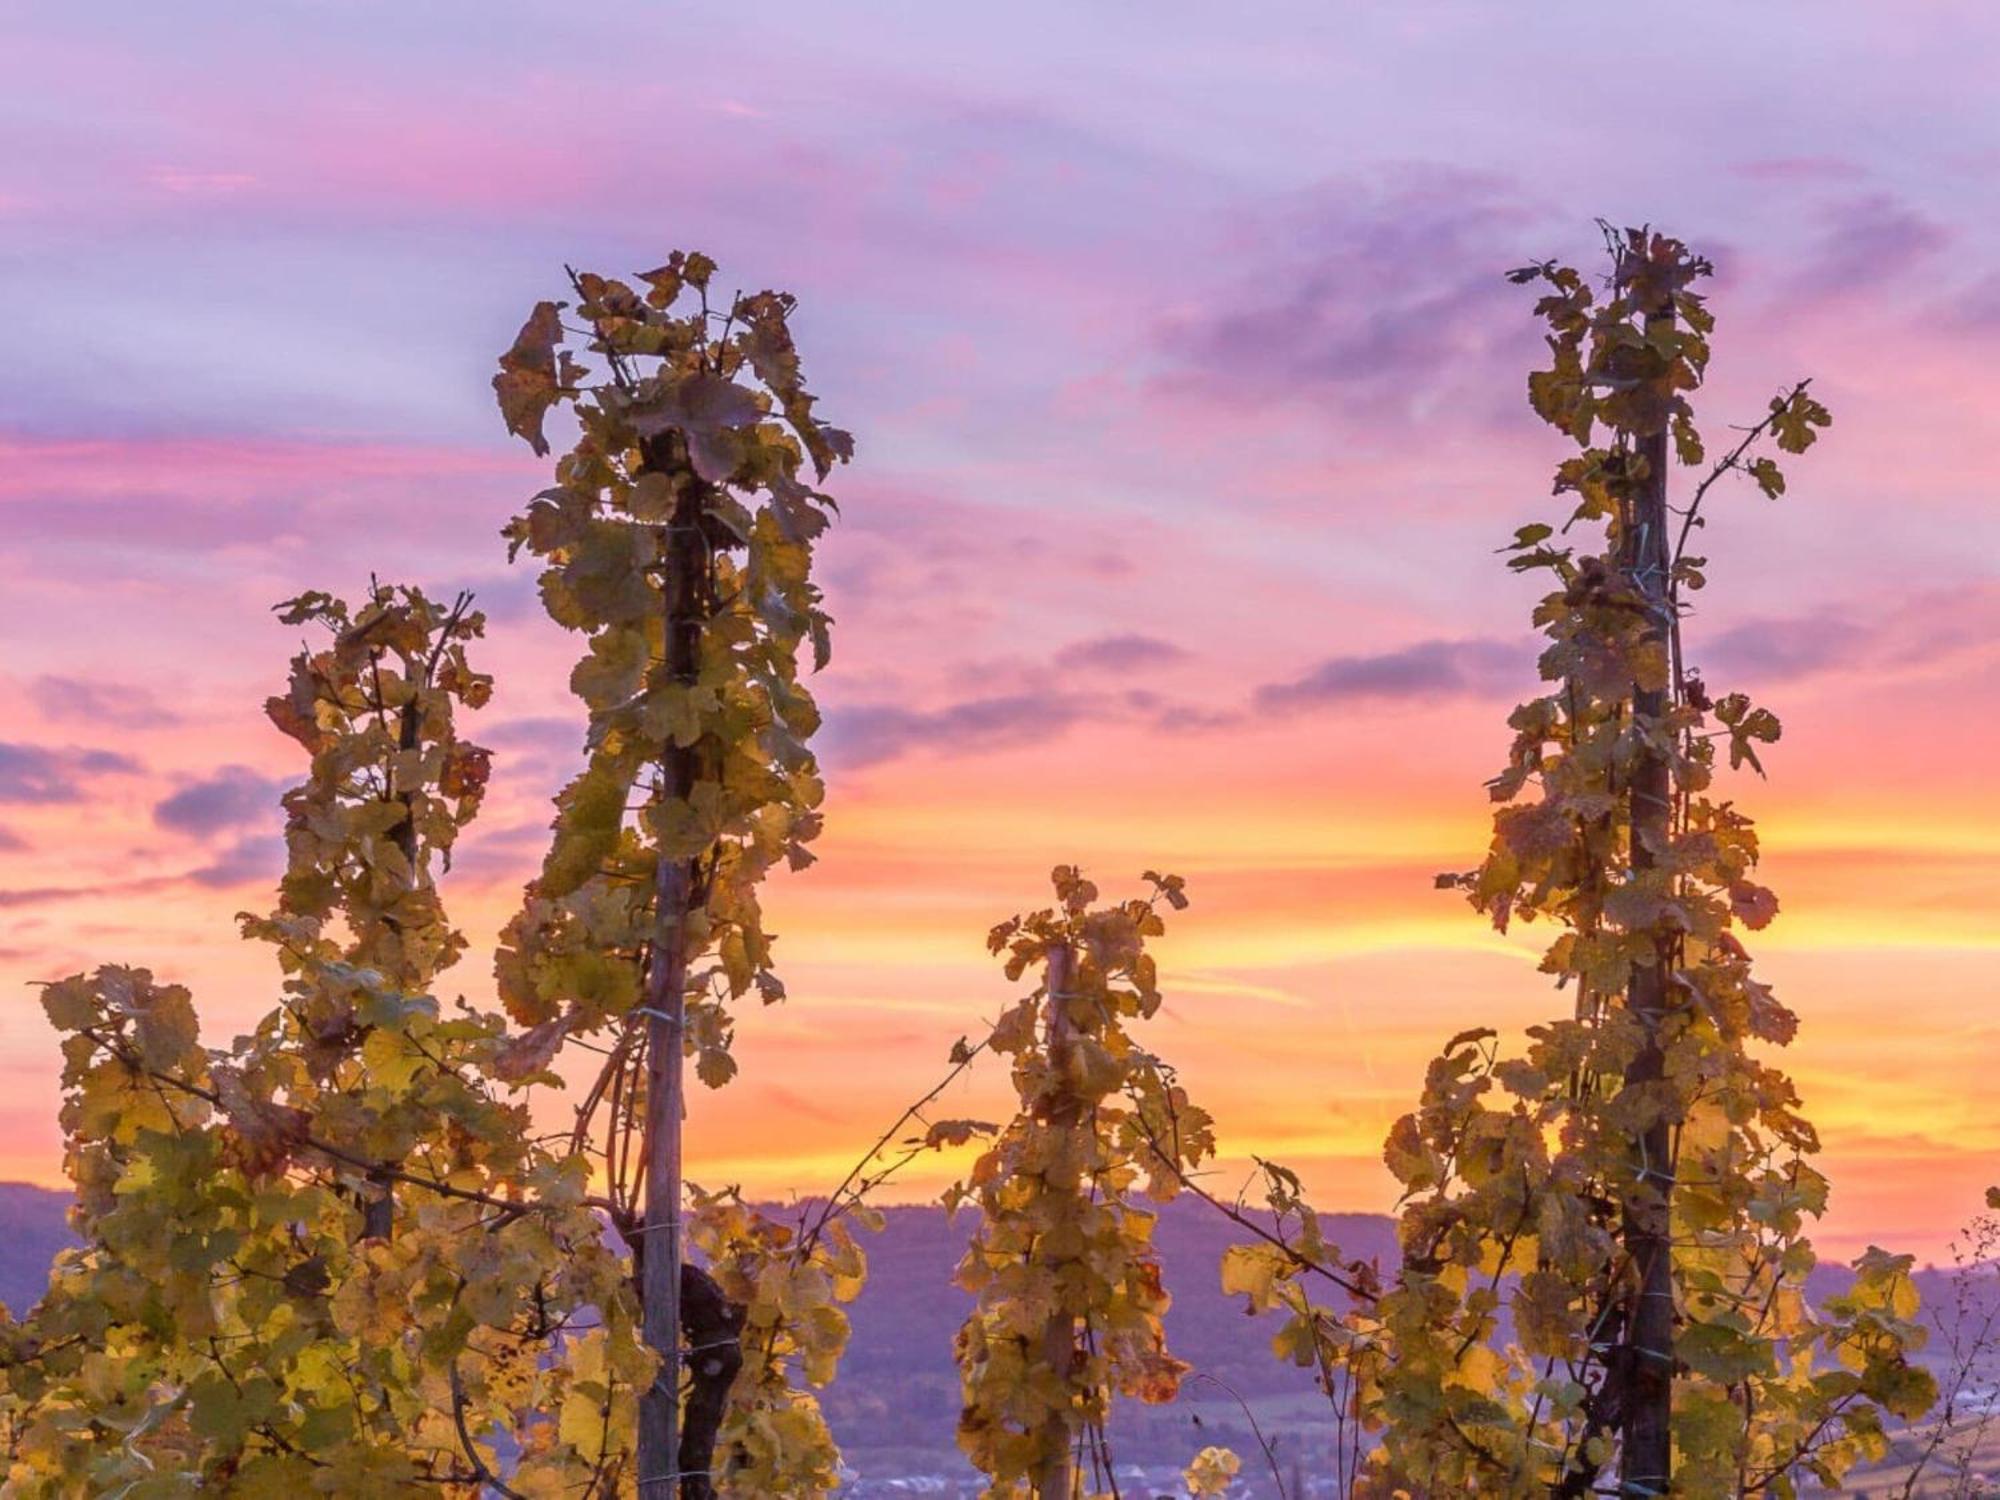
895 1404
896 1401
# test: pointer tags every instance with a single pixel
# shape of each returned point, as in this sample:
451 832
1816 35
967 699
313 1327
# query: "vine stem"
855 1185
479 1468
1732 460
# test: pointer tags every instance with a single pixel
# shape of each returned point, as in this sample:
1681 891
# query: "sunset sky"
1190 406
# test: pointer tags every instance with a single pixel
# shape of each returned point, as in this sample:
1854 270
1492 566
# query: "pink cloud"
1382 294
204 494
199 183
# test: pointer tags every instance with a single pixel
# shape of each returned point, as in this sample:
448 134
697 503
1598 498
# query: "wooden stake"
1646 1380
684 591
1055 1481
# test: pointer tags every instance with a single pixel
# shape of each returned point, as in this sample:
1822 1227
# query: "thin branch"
486 1476
1242 1220
1732 461
1270 1454
833 1208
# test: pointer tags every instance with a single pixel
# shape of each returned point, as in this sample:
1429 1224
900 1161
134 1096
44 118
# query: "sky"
1189 397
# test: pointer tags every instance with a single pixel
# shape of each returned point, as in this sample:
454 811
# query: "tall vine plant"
341 1255
678 538
1632 1192
1068 1296
333 1257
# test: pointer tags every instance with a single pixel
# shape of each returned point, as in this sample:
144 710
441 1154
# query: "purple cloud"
234 797
1120 653
1943 629
123 704
1870 240
246 862
42 895
1800 169
1779 650
1977 309
1391 291
50 895
44 773
505 855
1425 672
546 733
868 734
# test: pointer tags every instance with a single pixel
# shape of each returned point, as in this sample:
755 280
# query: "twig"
485 1475
1270 1454
1732 461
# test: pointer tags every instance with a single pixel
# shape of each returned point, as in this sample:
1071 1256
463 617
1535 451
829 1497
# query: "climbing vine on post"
1634 1189
1069 1298
678 537
1645 1175
333 1257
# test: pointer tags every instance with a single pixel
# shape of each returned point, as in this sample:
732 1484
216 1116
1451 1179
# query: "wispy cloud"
29 896
233 797
77 700
50 774
1387 291
1801 169
1120 653
1427 672
868 734
249 861
544 733
200 183
1868 240
1939 630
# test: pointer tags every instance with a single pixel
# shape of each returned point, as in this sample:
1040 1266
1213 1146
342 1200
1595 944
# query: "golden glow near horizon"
1304 995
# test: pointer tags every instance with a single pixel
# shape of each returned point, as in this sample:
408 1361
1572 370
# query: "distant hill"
896 1402
33 1227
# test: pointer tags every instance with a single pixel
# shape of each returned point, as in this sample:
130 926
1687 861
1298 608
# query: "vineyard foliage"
1068 1295
1503 1358
342 1255
316 1259
372 1246
678 539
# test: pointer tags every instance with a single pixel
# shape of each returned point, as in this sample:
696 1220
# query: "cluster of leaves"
1949 1450
331 1258
678 538
1521 1175
1323 1297
1068 1293
1211 1472
695 434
